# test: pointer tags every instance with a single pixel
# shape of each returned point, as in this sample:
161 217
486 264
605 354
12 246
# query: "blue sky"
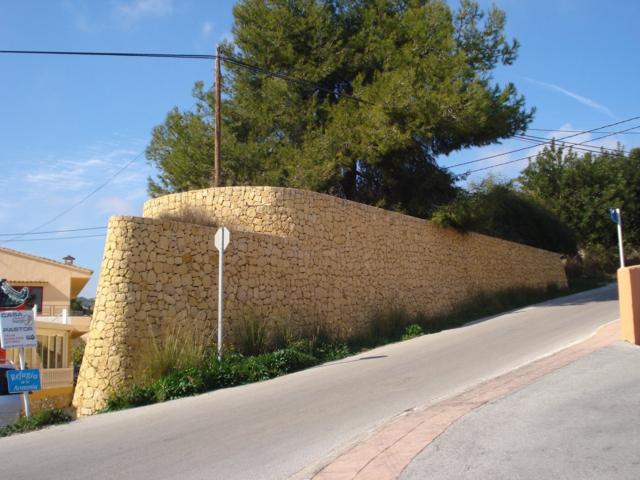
69 123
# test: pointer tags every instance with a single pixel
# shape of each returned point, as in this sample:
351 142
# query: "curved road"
288 426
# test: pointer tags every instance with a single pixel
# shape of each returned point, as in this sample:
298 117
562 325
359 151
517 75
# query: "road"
286 426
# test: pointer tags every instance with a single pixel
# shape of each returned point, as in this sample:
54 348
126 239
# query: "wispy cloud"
584 100
131 12
115 206
206 29
75 175
78 15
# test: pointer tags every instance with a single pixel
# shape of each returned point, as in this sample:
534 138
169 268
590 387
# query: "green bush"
412 331
233 369
499 210
40 419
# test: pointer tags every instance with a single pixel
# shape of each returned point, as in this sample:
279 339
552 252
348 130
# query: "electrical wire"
584 147
52 238
53 231
79 202
190 56
529 157
568 131
547 142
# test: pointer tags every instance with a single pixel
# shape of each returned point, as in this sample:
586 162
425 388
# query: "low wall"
295 258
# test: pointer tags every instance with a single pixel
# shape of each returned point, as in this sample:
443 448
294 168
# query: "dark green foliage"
499 210
40 419
412 331
580 188
422 70
232 370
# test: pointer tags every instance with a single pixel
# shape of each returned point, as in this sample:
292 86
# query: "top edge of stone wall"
280 196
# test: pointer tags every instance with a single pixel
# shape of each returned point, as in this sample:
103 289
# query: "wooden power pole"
217 121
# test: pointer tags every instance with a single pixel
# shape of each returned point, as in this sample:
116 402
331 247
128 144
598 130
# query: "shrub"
180 347
412 331
38 420
253 336
499 210
389 324
77 352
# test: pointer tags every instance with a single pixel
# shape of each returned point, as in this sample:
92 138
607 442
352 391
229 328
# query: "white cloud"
78 14
74 175
206 29
115 206
584 100
133 11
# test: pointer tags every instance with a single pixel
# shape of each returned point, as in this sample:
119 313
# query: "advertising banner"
17 329
20 381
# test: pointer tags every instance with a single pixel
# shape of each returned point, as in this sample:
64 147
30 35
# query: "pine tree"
403 83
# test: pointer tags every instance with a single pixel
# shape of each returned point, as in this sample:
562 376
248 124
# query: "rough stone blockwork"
296 258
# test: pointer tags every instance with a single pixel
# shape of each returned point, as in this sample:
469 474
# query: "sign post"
17 330
616 217
221 241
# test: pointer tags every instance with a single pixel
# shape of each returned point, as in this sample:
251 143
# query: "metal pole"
217 121
620 247
220 296
25 395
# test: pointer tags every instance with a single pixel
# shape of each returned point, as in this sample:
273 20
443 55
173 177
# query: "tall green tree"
580 188
422 76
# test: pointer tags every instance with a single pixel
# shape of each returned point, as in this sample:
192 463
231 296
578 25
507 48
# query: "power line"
291 79
523 158
79 202
547 142
584 146
568 131
53 231
190 56
52 238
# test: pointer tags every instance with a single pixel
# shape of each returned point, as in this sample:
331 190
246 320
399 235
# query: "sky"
70 124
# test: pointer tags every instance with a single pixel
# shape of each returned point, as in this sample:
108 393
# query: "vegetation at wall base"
40 419
315 347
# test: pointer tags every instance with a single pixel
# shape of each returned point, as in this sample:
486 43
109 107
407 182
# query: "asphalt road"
283 427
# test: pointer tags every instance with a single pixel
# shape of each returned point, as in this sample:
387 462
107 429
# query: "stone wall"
295 258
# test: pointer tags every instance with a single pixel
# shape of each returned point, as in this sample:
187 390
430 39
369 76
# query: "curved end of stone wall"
155 276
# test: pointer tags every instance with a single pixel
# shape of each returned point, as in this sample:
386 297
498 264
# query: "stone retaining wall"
296 258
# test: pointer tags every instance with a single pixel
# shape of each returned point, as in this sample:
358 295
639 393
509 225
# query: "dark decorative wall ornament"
11 299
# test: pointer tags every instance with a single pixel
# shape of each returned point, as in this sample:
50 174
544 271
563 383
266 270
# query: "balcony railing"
56 377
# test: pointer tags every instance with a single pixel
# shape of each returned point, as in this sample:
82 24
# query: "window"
35 296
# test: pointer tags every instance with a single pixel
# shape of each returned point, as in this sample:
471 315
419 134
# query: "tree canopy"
402 83
498 209
580 188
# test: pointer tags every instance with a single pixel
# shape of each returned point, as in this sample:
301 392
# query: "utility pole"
217 120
